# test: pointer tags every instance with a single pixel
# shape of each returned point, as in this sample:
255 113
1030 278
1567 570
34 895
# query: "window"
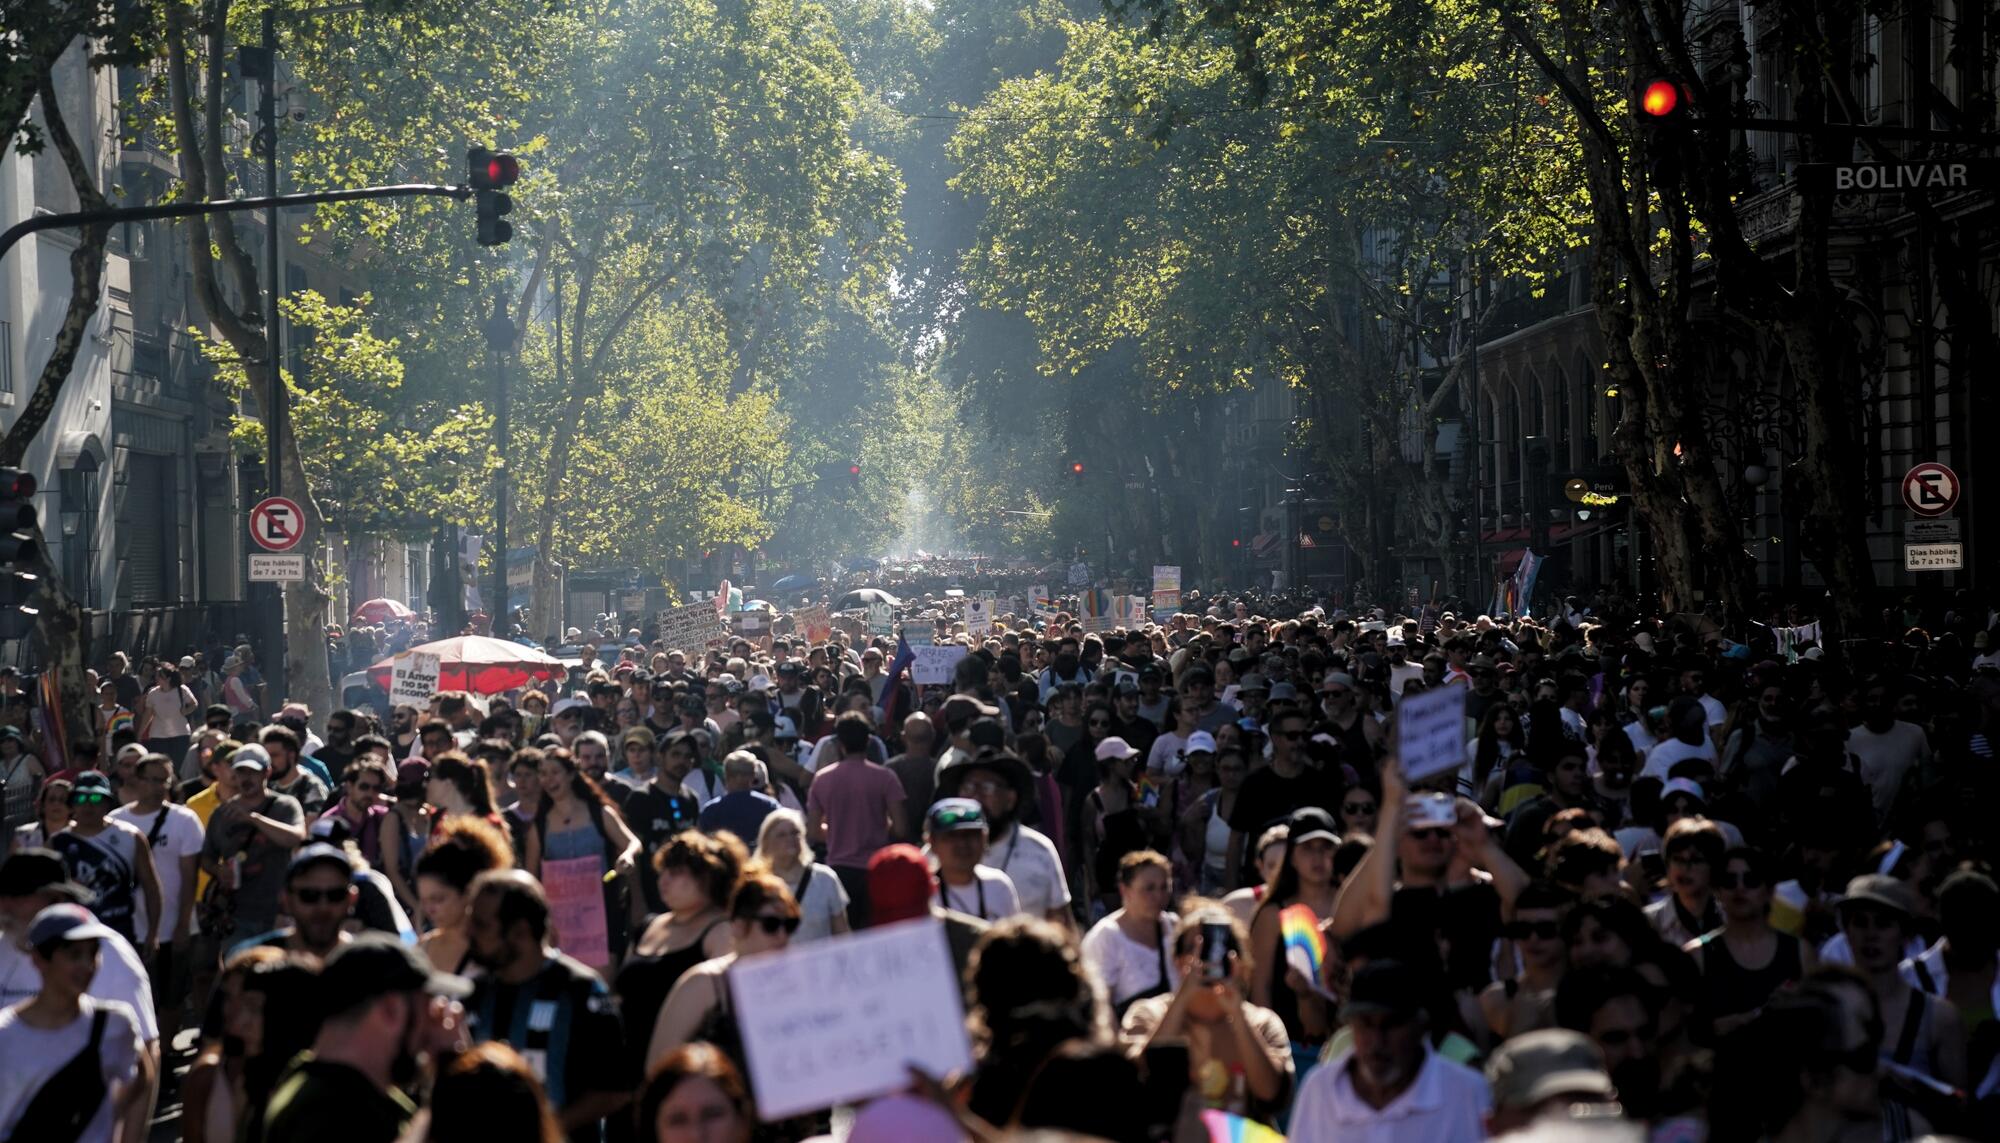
79 529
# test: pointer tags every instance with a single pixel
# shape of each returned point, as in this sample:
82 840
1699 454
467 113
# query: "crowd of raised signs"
1263 868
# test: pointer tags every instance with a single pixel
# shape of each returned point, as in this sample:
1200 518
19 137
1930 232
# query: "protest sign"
1100 610
1166 577
1430 729
1132 611
918 635
692 627
813 623
881 619
1038 597
575 889
834 1022
978 617
413 678
934 665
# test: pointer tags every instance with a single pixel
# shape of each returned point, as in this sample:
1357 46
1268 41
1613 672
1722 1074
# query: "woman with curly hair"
463 848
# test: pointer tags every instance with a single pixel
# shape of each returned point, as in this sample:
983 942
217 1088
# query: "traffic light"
1661 102
854 474
18 542
1076 471
1661 107
491 173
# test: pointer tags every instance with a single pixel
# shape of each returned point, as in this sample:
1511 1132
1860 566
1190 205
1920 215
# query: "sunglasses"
953 817
1290 735
319 896
1358 808
772 926
89 799
1728 880
1433 833
1539 930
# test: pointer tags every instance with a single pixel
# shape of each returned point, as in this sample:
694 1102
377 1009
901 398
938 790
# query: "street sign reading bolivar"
277 524
1954 174
1931 489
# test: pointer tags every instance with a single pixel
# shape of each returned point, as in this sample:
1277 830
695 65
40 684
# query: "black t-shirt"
1267 799
656 815
319 1102
336 761
564 1022
129 691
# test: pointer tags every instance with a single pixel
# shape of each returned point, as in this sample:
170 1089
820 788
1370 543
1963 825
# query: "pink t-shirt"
854 797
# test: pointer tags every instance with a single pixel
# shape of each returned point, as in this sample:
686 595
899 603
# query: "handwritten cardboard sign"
413 677
934 665
1430 730
692 627
575 888
841 1020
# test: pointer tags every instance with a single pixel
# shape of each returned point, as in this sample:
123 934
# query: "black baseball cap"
377 964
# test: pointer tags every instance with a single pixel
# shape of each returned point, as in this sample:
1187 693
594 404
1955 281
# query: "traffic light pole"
500 343
113 215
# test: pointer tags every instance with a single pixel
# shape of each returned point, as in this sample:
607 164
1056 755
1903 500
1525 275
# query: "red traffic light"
16 484
491 170
1076 467
854 470
1659 99
1235 543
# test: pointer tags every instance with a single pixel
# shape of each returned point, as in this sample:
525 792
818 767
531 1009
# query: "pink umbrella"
481 665
381 611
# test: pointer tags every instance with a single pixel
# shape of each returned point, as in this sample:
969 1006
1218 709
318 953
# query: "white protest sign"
842 1020
978 616
1430 732
413 677
934 665
1166 577
881 619
692 627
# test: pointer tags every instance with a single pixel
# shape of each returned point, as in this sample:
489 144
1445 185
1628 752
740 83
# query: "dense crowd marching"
1689 883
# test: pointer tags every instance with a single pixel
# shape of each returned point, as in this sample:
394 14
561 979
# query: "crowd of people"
1684 886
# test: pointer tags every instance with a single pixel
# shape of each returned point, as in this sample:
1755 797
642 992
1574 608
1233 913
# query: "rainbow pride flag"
1224 1127
1305 945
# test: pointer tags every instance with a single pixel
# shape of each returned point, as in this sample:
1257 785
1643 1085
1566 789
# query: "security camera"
296 114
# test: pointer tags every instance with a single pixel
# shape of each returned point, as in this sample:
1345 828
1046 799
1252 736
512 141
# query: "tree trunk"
200 153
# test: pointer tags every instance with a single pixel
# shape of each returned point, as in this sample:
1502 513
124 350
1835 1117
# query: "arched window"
80 492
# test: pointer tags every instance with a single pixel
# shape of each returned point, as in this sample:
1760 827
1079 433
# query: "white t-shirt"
1165 756
1712 707
823 898
1662 758
1885 758
1029 860
121 978
1399 677
1447 1104
180 836
166 707
991 898
1642 739
1124 967
35 1055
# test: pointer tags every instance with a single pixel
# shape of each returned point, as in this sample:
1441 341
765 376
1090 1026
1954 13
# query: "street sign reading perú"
1931 489
1954 174
277 524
